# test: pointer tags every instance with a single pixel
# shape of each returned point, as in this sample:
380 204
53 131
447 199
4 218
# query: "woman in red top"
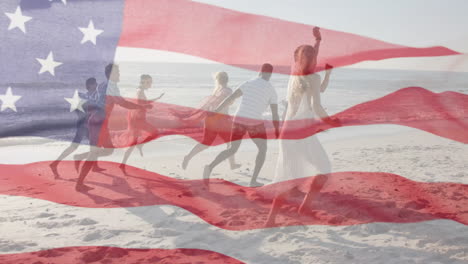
139 129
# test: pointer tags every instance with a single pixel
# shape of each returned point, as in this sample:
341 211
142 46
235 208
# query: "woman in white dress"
304 157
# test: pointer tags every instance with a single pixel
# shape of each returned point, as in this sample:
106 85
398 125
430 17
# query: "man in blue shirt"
108 95
81 125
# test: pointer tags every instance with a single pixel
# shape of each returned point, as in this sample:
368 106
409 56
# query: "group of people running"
297 158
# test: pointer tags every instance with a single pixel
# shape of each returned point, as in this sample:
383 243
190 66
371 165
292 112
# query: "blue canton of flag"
48 50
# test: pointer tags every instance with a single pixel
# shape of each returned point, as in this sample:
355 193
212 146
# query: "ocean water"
188 84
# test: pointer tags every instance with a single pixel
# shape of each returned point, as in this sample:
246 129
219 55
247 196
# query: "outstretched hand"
160 96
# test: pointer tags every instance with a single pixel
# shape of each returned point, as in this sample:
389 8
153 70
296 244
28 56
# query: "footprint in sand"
158 233
87 221
337 220
65 216
229 213
10 246
278 237
44 215
105 234
417 205
236 223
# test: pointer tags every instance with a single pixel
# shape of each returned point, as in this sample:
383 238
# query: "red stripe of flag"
349 198
246 40
94 254
443 114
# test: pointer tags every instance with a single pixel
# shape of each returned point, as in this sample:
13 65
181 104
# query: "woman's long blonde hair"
304 57
221 80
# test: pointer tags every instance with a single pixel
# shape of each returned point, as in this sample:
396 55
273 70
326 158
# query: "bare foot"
235 166
140 148
53 167
82 188
303 209
123 168
270 222
98 169
206 176
256 184
305 205
206 172
77 164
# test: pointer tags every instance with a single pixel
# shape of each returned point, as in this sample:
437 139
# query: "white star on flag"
17 20
48 64
76 103
90 33
9 100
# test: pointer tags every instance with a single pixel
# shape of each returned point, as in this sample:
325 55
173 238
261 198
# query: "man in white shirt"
257 95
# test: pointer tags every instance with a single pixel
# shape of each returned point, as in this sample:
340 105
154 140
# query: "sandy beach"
33 224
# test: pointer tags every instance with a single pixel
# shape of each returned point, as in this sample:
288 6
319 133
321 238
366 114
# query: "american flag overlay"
177 131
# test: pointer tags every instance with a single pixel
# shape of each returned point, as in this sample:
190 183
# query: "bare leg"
259 161
197 149
129 151
315 188
122 166
151 133
69 150
79 157
220 158
140 149
90 162
208 138
278 201
232 160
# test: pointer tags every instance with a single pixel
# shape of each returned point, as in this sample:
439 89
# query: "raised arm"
326 80
318 39
157 98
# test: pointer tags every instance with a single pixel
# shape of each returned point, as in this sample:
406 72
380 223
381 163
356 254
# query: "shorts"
99 135
254 131
81 131
216 126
